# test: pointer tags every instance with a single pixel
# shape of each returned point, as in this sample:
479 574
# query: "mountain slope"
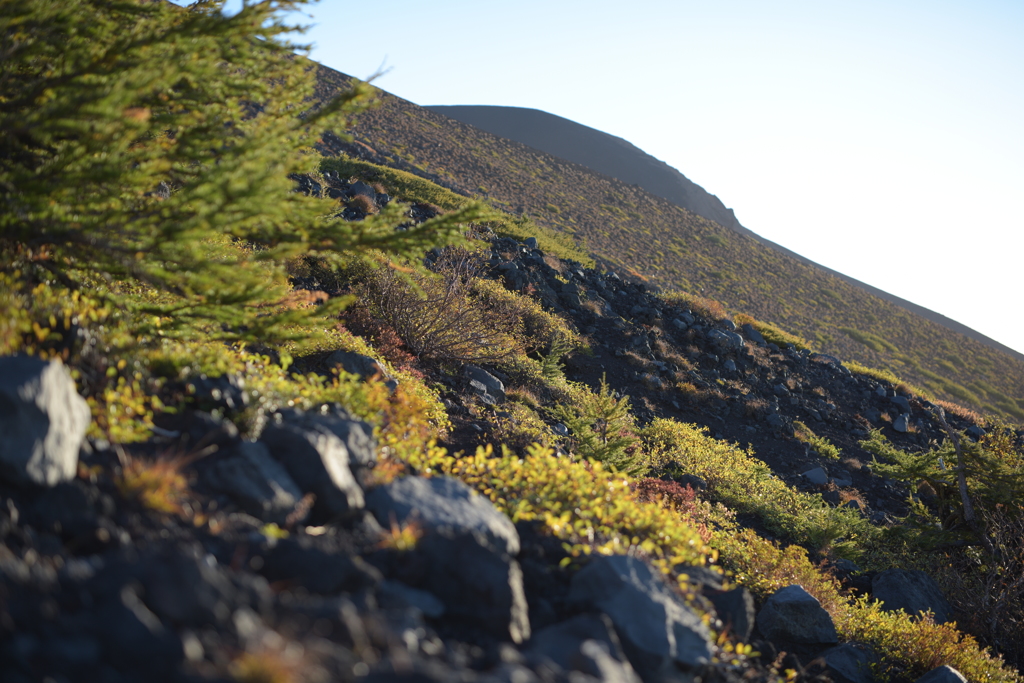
599 151
648 237
620 159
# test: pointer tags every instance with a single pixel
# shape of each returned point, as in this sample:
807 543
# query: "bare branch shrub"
436 317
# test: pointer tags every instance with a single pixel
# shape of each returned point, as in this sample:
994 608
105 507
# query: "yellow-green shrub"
772 333
909 647
592 509
745 484
819 444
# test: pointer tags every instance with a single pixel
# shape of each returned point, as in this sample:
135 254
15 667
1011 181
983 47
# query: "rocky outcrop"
912 591
42 421
658 630
468 548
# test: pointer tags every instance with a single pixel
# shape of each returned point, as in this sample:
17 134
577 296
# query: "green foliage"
746 485
602 427
148 147
585 504
708 308
872 341
772 333
993 470
551 362
880 375
909 647
436 316
820 445
532 326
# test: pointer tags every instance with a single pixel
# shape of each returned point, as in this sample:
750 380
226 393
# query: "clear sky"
884 140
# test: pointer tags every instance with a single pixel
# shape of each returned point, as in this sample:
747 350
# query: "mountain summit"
599 151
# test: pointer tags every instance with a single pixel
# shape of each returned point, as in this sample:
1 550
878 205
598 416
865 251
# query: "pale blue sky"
882 139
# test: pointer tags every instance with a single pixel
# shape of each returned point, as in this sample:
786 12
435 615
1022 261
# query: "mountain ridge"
617 157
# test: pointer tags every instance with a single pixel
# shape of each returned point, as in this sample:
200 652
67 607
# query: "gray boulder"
725 341
901 424
492 386
42 421
735 609
447 506
817 476
850 663
358 364
901 402
753 335
255 481
586 643
942 674
658 630
912 591
794 616
467 547
324 455
361 188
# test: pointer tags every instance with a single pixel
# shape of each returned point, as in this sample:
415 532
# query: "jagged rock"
132 637
42 421
254 480
468 547
359 364
901 402
444 505
187 587
850 663
492 386
323 454
316 570
912 591
680 324
818 476
725 341
530 242
76 512
735 608
975 432
395 592
752 334
657 629
585 643
794 616
942 674
361 188
901 424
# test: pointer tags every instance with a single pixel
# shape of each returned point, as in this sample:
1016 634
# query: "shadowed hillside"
650 238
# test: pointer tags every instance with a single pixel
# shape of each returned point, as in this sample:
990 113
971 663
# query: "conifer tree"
146 148
603 428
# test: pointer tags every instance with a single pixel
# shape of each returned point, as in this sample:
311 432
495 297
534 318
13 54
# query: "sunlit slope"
649 237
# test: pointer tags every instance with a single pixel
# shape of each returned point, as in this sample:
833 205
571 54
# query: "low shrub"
601 427
588 506
706 308
772 333
437 318
745 485
818 444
